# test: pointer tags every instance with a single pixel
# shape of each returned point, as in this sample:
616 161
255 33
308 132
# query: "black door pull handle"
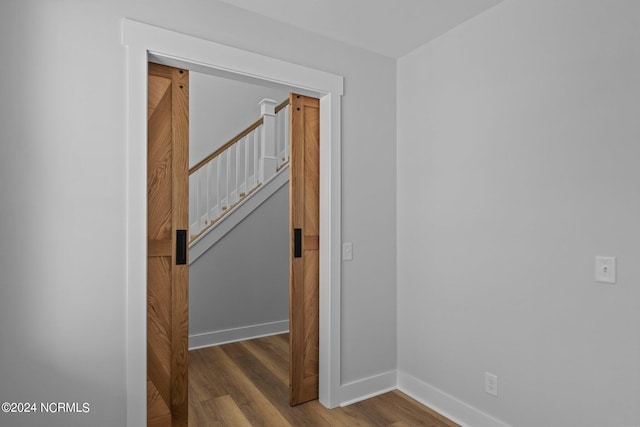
181 247
297 242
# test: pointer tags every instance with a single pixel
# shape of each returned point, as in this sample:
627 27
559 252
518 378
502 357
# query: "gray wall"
220 108
243 280
62 184
518 153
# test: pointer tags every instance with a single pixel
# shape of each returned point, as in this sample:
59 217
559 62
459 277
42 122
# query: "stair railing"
226 177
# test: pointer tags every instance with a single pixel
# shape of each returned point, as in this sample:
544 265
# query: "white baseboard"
209 339
445 404
368 387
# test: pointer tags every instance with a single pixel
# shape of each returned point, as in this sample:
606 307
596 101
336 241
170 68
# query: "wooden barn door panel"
305 255
167 275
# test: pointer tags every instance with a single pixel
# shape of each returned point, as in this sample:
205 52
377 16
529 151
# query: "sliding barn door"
305 253
167 269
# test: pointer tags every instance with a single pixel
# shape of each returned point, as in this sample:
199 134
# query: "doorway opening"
239 283
239 251
168 200
145 42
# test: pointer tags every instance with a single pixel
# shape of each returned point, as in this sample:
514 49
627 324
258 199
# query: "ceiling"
388 27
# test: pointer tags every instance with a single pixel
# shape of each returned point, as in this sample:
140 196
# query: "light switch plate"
347 251
606 269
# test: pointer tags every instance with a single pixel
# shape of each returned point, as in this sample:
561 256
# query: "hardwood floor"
246 384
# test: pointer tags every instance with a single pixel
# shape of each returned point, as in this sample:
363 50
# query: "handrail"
282 105
235 139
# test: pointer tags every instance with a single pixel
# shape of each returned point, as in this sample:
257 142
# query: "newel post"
268 160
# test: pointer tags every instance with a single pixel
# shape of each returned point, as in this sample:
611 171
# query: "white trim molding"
366 388
445 404
145 42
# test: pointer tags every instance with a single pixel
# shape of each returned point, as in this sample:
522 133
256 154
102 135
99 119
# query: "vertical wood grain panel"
304 271
167 211
180 285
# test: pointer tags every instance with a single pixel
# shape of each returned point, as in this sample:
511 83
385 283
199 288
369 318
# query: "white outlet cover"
605 269
491 383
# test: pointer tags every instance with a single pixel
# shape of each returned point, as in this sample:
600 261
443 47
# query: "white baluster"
256 156
284 120
211 183
229 196
240 168
222 182
285 117
249 153
247 158
237 159
278 140
233 184
213 190
202 199
283 137
206 184
193 204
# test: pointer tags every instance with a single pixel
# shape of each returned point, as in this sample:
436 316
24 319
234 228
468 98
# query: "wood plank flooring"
246 384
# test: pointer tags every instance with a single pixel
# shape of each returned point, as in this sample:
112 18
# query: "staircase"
254 161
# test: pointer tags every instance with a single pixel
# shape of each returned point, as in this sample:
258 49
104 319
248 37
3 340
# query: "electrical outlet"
491 384
606 269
